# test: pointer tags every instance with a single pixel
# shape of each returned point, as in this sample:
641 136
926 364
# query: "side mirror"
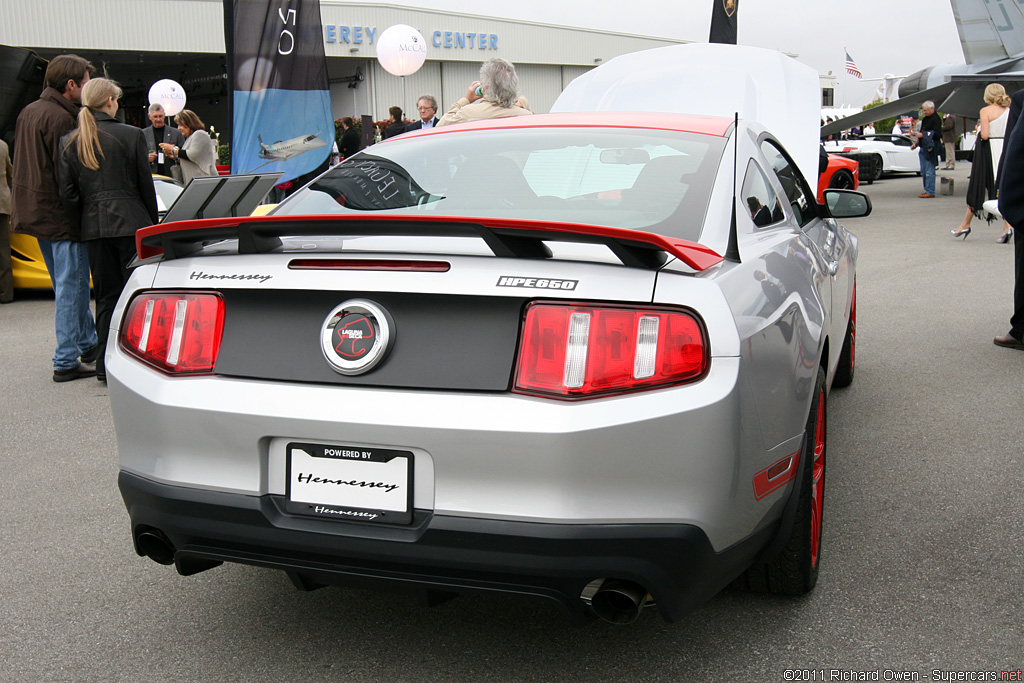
847 203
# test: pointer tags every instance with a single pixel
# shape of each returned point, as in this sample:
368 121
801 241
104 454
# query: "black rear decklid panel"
444 342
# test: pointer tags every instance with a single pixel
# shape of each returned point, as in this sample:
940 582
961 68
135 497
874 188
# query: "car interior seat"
494 183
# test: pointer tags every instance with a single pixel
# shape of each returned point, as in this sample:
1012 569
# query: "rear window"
639 179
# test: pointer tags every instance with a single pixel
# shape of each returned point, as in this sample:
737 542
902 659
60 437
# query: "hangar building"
140 42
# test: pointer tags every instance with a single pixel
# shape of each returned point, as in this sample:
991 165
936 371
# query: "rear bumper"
439 554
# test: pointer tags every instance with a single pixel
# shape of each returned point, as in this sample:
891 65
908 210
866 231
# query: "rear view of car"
543 356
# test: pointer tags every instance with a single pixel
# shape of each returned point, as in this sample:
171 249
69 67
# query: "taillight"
175 332
578 351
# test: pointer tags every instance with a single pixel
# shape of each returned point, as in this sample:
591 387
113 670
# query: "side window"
761 201
791 181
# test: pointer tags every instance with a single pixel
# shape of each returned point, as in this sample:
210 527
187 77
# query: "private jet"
992 36
293 147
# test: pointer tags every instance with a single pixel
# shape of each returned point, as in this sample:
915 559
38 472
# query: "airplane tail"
989 30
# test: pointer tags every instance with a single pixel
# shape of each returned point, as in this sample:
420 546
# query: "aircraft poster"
281 106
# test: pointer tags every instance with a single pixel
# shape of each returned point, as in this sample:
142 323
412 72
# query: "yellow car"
27 261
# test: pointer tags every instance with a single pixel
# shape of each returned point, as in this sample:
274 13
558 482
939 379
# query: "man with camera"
492 97
159 162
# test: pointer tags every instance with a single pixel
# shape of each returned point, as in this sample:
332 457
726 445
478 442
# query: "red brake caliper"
817 479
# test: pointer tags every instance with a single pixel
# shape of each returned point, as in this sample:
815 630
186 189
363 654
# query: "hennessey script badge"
200 275
535 282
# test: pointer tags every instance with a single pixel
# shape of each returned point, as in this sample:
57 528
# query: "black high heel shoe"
961 233
1005 237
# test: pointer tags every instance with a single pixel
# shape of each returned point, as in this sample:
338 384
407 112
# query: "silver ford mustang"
583 357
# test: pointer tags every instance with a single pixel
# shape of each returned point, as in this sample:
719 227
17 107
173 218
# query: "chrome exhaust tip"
618 601
154 545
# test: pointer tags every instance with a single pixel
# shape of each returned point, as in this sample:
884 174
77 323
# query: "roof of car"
704 125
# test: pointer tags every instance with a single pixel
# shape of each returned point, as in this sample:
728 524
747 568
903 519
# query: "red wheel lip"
817 479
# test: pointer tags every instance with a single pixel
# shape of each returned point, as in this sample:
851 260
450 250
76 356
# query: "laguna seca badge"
356 336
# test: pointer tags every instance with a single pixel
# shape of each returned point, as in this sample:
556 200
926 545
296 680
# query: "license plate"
351 483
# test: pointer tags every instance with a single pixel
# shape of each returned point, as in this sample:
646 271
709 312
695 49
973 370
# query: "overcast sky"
882 36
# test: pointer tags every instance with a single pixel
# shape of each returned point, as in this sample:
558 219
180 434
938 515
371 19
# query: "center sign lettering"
463 40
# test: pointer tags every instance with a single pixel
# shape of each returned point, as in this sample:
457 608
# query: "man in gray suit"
427 107
160 132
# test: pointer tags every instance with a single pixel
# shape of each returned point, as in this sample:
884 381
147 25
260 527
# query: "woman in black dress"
987 150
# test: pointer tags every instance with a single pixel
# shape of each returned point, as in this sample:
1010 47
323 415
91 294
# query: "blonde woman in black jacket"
107 188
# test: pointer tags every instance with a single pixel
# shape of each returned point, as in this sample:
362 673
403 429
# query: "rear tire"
841 180
876 171
847 357
795 570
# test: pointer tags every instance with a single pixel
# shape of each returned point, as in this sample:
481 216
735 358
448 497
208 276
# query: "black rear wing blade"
505 237
220 196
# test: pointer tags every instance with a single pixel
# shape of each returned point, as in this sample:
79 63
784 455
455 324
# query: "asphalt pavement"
922 564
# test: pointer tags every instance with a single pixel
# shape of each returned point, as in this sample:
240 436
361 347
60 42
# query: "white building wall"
179 26
540 84
121 32
570 73
517 41
198 26
457 77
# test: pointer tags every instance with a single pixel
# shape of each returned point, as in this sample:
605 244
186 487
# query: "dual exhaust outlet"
155 545
616 601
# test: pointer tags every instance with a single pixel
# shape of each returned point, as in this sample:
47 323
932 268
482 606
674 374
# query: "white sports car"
583 357
894 151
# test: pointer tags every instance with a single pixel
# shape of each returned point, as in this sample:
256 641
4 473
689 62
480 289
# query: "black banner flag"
281 104
723 21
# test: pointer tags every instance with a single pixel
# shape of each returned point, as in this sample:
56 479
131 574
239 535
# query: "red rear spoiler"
505 237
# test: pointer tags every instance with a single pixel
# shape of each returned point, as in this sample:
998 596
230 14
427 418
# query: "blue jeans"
68 264
927 172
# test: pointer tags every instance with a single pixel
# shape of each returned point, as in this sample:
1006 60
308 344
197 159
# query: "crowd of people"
81 183
997 173
495 95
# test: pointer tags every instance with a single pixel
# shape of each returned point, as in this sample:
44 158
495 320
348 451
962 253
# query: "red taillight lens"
576 351
176 332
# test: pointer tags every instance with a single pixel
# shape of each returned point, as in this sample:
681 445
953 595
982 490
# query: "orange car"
841 174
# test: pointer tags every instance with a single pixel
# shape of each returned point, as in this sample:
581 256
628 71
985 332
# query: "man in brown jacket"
36 210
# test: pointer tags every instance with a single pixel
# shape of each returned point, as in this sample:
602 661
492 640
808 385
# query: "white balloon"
401 50
169 94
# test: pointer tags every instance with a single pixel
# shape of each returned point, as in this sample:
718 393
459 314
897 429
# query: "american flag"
851 67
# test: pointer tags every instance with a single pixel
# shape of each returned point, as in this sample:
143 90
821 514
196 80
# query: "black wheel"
795 570
876 168
844 373
841 180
